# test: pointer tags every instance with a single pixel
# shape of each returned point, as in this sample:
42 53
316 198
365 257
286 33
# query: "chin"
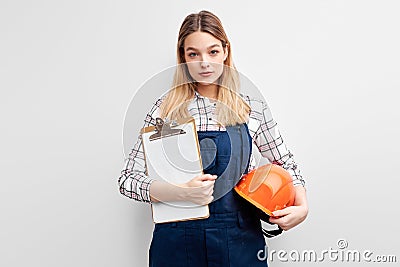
203 81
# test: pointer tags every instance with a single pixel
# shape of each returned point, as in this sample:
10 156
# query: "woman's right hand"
199 189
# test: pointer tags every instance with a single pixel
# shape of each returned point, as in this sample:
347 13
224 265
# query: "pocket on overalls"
246 237
229 168
208 152
167 247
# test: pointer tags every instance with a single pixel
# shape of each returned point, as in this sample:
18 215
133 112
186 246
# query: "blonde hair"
231 108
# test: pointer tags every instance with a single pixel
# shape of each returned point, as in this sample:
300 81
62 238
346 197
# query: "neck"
209 90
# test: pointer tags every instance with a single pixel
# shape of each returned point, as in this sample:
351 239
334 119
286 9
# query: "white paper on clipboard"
173 155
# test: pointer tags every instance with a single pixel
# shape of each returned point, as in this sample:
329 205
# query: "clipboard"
172 154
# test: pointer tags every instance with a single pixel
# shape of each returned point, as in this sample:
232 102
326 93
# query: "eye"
214 52
192 54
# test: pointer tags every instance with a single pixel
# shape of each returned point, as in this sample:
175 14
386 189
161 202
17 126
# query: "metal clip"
163 129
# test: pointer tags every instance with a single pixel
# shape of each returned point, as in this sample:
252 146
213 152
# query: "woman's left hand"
289 217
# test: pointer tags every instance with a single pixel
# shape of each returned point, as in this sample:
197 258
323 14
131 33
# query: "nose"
204 63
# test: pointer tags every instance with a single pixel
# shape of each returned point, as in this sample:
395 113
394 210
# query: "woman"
206 87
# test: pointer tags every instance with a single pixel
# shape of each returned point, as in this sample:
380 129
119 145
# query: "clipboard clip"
163 129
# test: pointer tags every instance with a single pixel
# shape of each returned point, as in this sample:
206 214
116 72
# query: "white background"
68 70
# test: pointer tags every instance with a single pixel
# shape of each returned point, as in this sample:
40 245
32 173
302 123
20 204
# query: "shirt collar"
197 95
207 101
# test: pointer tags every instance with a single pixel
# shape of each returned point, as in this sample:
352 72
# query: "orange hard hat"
268 187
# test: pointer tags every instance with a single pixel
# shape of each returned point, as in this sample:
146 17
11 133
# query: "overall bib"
232 235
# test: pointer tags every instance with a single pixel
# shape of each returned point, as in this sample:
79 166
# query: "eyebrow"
211 46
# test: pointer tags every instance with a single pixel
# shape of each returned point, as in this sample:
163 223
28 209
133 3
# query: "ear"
226 52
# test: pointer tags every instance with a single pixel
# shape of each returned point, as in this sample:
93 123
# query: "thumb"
208 177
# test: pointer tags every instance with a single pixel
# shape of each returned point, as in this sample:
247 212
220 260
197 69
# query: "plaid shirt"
134 183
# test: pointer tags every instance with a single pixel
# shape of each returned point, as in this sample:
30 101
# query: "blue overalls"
232 234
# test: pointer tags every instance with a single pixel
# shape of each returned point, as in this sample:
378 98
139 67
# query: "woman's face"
204 56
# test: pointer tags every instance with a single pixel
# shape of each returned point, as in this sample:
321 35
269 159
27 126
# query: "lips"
206 73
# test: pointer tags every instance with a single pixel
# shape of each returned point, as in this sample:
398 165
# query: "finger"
208 184
282 222
205 201
282 212
210 191
274 220
208 177
286 222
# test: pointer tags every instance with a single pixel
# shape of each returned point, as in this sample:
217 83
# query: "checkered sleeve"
133 181
270 143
